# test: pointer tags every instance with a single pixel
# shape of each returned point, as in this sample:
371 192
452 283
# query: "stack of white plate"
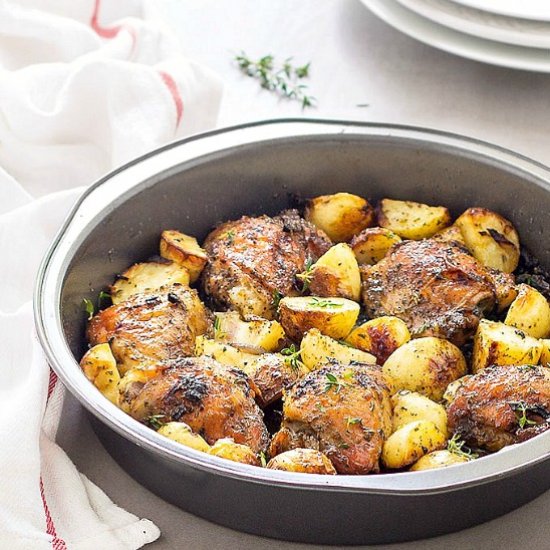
511 33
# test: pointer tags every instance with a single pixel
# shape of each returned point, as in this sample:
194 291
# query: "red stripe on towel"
173 89
52 382
108 32
57 543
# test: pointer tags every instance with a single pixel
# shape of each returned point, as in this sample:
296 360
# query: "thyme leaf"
88 307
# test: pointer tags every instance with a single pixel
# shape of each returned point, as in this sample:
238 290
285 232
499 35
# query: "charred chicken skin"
342 411
500 406
149 329
436 288
215 401
252 260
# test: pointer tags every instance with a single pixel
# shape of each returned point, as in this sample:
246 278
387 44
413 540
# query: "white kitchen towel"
85 85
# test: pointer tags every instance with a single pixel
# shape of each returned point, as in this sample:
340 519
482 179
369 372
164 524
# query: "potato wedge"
372 244
336 273
492 239
451 234
254 334
411 406
228 449
333 317
304 461
425 365
380 336
412 220
438 459
317 350
147 277
225 354
530 312
499 344
99 366
410 443
545 353
183 250
182 433
340 216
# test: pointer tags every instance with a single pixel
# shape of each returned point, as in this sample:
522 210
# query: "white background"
355 59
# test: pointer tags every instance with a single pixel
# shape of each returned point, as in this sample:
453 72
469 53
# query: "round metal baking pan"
197 182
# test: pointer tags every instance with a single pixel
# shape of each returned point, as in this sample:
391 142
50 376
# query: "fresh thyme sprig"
456 446
307 275
155 421
332 382
323 303
292 357
284 80
277 297
521 409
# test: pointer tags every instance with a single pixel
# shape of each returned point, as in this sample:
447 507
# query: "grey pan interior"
195 183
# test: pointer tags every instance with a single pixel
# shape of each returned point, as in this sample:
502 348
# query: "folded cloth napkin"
85 85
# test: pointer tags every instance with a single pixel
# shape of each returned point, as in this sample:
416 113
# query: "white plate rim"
451 41
510 8
488 26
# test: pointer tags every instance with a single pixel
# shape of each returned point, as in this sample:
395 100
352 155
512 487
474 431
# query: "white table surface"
355 59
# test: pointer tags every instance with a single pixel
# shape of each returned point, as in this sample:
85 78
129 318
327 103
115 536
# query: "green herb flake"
458 447
88 307
277 297
155 421
351 421
333 383
292 357
323 303
263 459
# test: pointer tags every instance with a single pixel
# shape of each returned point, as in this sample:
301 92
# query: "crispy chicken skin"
214 400
151 328
252 259
436 288
342 411
501 405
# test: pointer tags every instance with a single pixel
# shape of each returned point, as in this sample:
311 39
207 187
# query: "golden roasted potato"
225 354
453 387
499 344
182 433
304 461
545 353
99 366
438 459
183 250
317 350
505 288
372 244
380 336
254 334
425 365
228 449
336 273
333 317
340 216
492 239
451 234
147 277
530 312
411 406
131 383
412 220
411 442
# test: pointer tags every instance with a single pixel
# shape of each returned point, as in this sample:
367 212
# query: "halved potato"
411 406
425 365
438 459
372 244
412 220
380 336
304 461
225 354
340 216
492 239
334 317
147 277
499 344
451 235
505 288
99 366
183 250
410 443
545 353
317 350
255 334
530 312
228 449
336 273
182 433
